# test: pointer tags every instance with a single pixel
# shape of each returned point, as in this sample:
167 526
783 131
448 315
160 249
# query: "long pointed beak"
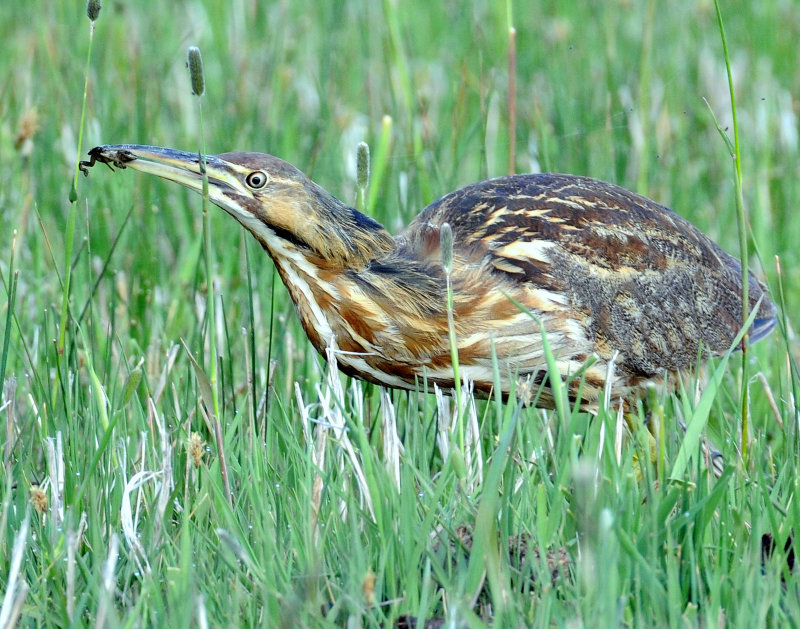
179 166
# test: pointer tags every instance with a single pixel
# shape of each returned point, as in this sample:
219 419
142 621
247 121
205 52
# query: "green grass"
319 532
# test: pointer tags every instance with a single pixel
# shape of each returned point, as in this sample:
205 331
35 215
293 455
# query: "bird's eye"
257 179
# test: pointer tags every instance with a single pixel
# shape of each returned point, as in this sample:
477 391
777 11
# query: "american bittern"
610 274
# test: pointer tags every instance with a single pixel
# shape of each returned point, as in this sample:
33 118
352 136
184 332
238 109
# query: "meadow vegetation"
313 500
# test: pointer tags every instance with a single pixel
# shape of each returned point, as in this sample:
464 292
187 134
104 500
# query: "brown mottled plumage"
610 274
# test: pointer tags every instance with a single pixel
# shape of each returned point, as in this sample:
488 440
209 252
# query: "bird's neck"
342 237
362 308
322 270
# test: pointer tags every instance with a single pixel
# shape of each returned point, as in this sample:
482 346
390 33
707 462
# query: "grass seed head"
131 384
38 499
362 165
195 63
446 244
368 588
93 9
196 449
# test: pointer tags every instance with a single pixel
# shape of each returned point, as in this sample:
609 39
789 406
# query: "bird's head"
286 212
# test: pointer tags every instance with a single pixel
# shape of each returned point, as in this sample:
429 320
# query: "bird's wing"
639 277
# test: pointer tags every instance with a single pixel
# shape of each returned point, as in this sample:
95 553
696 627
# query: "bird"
625 292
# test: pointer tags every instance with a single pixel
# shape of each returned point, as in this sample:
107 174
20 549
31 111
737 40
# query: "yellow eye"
257 179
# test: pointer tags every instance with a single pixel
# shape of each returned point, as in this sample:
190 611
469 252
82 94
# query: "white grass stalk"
447 423
16 588
18 603
602 441
332 402
316 443
107 592
73 541
392 446
770 399
166 485
172 354
609 380
357 398
9 395
130 523
202 615
55 470
619 431
444 422
473 453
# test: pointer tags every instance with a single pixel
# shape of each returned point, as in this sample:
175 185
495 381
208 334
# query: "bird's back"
605 269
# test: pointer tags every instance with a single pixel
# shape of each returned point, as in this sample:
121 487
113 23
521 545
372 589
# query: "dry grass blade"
16 588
